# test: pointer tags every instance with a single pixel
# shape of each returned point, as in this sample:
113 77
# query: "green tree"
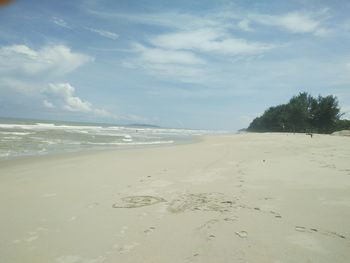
298 110
302 113
325 113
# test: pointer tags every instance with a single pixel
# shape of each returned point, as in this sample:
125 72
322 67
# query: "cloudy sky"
186 64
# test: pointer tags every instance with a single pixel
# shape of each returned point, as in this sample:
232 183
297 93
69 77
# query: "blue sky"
186 64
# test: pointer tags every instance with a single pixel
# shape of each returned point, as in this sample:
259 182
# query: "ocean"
19 138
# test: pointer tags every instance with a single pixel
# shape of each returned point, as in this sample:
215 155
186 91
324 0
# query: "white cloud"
181 65
245 25
60 22
190 41
183 55
25 72
348 66
180 73
210 41
56 60
163 56
48 104
61 96
296 22
228 18
104 33
165 19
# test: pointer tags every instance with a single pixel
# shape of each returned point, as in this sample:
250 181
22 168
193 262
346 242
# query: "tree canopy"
303 113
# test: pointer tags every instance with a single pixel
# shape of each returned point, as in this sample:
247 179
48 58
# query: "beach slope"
235 198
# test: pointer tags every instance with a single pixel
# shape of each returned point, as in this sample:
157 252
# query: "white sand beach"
235 198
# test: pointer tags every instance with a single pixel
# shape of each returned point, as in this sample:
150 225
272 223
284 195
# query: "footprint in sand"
334 234
258 209
300 229
304 229
217 202
277 215
149 230
242 234
126 248
230 219
137 201
208 225
322 232
210 237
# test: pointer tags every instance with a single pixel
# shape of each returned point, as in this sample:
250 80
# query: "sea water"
32 137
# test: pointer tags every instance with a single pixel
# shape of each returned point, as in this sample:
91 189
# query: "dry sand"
238 198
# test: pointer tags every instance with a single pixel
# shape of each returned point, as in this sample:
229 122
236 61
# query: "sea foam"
23 138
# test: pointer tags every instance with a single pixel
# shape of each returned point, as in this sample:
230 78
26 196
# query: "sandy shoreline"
237 198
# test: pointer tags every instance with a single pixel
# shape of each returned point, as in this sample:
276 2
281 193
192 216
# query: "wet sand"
238 198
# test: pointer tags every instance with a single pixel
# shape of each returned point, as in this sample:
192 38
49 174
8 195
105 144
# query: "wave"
8 138
106 130
15 133
47 126
37 138
131 143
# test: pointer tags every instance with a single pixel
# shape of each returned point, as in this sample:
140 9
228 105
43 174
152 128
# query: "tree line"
303 113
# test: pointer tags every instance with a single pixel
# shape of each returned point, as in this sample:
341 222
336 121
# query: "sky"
183 64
